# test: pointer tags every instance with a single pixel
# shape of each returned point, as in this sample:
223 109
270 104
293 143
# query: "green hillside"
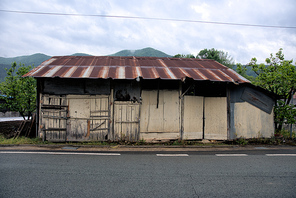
80 54
148 52
37 59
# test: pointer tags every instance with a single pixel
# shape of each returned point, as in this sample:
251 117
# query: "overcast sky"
26 34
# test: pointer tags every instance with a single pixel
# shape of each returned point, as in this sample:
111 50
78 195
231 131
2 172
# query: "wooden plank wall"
126 121
54 116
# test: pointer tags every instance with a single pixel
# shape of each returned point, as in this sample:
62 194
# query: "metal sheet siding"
251 122
116 67
193 117
215 118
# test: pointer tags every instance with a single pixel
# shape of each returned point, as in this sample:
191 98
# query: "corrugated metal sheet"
116 67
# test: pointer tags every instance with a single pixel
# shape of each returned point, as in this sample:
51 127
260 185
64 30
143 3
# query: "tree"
243 71
19 93
184 56
217 55
278 76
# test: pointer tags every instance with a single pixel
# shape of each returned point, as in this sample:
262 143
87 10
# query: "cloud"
62 35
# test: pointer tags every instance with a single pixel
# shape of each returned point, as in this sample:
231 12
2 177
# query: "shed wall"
160 115
92 114
215 118
75 117
251 122
193 117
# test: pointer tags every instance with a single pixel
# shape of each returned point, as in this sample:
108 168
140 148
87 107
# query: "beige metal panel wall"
215 118
249 121
159 136
193 117
164 120
171 111
126 121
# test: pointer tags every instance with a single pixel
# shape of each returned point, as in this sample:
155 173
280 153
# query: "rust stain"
155 73
138 71
88 129
70 72
87 72
133 67
200 74
120 73
214 75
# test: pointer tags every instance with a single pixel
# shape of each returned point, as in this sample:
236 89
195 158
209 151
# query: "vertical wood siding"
53 117
75 117
126 121
89 118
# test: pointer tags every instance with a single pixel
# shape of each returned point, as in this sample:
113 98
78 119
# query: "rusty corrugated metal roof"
118 67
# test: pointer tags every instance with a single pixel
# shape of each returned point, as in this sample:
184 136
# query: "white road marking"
172 155
231 155
276 155
58 153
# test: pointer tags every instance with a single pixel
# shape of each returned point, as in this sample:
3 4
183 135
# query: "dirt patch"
9 128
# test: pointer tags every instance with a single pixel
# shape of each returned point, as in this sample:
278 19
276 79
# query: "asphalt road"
255 173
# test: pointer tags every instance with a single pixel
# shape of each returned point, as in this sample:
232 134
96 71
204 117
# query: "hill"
37 59
148 52
34 60
80 54
249 71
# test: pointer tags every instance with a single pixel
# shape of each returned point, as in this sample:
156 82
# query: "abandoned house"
107 98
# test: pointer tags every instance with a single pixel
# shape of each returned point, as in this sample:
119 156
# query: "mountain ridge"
37 58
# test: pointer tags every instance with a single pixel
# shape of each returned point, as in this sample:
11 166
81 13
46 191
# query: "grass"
285 134
280 138
20 140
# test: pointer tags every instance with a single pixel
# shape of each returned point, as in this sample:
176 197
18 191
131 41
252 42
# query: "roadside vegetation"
280 138
19 140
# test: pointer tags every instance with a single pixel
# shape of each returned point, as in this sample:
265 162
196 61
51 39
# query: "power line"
147 18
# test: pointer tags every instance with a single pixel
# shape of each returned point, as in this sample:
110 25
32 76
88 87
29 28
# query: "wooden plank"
55 117
88 129
55 129
53 106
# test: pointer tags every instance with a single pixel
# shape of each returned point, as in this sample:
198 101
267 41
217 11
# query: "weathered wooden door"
99 122
126 121
53 117
89 118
